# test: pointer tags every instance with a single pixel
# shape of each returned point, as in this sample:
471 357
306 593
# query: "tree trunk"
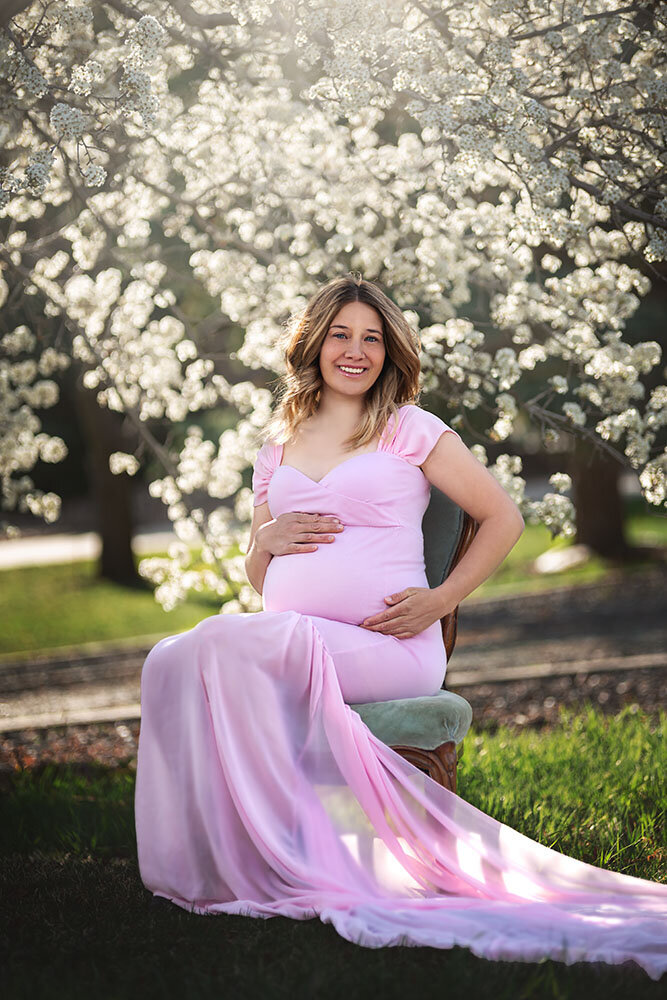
103 432
598 502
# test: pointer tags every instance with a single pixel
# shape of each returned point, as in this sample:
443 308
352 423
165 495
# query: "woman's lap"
371 666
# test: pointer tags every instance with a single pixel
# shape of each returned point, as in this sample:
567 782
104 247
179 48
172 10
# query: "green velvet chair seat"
425 722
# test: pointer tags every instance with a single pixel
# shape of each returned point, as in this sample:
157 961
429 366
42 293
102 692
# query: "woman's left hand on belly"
410 611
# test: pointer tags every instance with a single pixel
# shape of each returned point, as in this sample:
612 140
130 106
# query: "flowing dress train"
259 791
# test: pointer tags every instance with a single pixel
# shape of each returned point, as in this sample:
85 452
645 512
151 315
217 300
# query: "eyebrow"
369 329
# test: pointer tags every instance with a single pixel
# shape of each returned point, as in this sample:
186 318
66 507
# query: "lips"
339 367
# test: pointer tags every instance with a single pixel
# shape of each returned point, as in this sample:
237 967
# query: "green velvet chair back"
442 526
448 531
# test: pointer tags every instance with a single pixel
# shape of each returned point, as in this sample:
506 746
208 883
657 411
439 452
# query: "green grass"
593 787
65 605
83 925
77 809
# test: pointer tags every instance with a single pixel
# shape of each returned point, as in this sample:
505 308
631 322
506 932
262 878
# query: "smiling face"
353 350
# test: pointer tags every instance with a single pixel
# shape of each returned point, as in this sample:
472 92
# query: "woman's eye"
370 336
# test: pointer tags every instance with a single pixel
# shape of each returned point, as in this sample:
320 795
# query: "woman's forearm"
497 535
256 564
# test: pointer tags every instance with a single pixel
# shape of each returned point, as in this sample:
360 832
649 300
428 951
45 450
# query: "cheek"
328 352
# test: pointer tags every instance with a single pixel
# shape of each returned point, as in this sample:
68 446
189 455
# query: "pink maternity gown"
260 792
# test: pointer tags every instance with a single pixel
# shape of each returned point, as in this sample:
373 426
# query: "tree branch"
568 24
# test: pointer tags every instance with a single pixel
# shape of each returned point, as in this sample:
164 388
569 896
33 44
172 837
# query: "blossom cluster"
24 388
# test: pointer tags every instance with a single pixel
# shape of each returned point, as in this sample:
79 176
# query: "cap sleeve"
265 464
417 434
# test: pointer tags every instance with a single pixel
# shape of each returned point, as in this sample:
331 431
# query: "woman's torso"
380 499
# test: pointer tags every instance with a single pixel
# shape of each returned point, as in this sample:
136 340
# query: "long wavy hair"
300 386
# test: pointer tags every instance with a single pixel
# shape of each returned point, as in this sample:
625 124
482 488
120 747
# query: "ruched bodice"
380 497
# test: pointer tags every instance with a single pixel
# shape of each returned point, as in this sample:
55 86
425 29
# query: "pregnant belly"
347 579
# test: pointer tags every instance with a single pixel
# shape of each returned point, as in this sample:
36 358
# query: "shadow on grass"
86 927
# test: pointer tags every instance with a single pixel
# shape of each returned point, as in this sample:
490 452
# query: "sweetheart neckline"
316 482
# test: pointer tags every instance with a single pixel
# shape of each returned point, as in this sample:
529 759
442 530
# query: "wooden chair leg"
439 764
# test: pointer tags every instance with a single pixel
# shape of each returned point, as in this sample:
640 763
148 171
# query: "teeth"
353 371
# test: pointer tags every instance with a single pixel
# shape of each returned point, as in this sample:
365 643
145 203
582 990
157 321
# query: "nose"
354 350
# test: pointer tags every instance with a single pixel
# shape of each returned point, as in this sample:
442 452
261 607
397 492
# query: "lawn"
64 605
81 924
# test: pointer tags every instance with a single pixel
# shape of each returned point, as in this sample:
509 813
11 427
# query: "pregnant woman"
259 790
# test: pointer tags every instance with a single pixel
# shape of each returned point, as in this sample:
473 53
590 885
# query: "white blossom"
560 481
94 175
574 413
653 479
66 121
73 17
120 462
38 171
558 382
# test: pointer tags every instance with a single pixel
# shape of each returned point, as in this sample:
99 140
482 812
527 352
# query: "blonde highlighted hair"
302 337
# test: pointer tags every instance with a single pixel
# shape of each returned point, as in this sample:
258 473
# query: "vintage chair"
427 731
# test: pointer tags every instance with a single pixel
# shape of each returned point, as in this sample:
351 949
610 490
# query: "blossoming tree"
505 155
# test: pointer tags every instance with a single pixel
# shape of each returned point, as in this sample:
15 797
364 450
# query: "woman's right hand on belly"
297 531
